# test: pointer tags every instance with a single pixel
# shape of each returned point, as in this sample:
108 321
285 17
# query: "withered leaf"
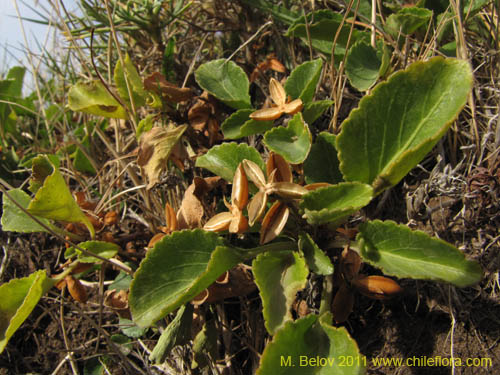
154 150
157 83
191 212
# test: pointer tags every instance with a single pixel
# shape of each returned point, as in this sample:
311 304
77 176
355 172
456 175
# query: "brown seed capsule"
156 238
288 190
377 287
342 304
274 222
76 289
171 218
239 194
254 173
256 207
284 172
219 222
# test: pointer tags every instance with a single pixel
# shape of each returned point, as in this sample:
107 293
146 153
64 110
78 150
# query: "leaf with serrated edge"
335 203
401 252
301 84
19 297
312 111
400 122
279 276
226 81
223 160
322 164
176 270
317 261
311 337
292 142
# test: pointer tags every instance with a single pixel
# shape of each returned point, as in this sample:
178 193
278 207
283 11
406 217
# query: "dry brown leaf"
157 83
118 302
342 304
191 212
154 150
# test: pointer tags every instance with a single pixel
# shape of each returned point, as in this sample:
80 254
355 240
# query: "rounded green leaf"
317 261
226 81
399 123
312 111
18 298
176 270
322 27
292 142
333 204
223 160
104 249
407 20
279 275
362 65
13 219
401 252
312 346
240 125
322 164
302 82
92 97
53 200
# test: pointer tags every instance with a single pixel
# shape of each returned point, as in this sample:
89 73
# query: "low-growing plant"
290 204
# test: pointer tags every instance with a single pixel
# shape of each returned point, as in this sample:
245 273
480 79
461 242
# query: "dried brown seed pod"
274 222
76 289
377 287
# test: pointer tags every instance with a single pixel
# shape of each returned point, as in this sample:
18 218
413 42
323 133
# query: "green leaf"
18 298
302 82
129 73
297 348
104 249
223 160
322 28
279 275
322 164
80 161
145 125
407 20
53 200
312 111
398 124
333 204
176 270
292 142
130 329
362 66
401 252
317 261
226 81
240 125
205 344
92 97
15 220
178 332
